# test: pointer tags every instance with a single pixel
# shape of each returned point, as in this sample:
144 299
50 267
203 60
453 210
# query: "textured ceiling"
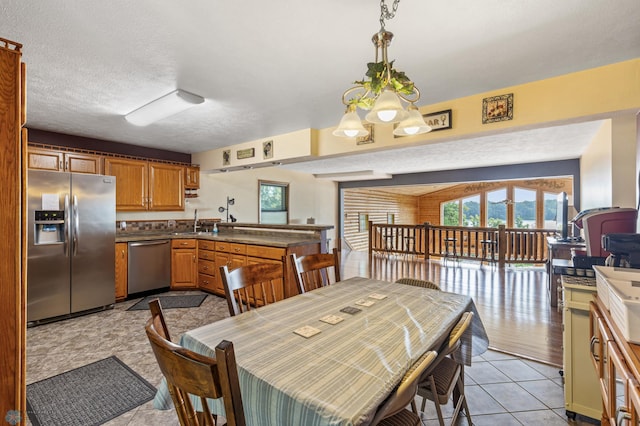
272 67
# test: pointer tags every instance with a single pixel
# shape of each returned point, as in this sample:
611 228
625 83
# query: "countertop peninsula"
245 233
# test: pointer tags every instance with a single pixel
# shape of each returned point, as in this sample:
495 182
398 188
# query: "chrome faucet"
195 221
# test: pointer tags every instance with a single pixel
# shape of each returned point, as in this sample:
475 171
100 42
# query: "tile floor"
502 389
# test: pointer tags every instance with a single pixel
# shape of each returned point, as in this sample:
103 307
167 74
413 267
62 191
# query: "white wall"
608 166
624 179
595 171
308 196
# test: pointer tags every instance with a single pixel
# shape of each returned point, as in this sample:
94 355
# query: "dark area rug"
89 395
170 302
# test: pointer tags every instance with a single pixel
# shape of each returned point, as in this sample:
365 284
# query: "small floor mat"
88 395
170 302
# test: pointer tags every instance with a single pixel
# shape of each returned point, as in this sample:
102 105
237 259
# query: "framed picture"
440 120
497 108
226 157
363 140
267 149
245 153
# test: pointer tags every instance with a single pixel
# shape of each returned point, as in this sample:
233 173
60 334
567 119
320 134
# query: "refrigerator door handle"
67 225
74 209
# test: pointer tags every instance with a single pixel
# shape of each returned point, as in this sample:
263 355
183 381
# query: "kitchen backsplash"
171 225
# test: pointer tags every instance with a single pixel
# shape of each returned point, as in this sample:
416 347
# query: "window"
274 202
391 218
471 211
451 213
465 212
549 214
497 208
363 222
524 215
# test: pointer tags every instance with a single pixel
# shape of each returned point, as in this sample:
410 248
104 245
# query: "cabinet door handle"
61 165
592 344
122 251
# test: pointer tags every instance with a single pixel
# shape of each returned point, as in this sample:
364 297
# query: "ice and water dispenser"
49 226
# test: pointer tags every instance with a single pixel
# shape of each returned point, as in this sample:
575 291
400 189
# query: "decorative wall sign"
226 157
267 149
440 120
245 153
497 108
363 140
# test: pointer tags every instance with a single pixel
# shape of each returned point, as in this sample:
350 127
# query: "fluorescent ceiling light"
349 176
168 105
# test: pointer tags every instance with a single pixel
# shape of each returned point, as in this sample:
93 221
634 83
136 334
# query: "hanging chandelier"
382 92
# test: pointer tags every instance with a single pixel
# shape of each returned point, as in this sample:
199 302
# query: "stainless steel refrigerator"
71 237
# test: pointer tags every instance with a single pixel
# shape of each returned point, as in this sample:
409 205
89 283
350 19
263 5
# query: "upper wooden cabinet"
192 177
145 185
166 187
59 161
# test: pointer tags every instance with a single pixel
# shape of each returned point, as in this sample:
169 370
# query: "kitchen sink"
193 233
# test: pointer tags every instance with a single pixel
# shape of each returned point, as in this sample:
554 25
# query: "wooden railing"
501 245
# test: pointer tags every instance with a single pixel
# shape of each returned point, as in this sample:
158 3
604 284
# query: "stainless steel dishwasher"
149 266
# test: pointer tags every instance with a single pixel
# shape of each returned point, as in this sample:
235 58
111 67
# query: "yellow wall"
596 93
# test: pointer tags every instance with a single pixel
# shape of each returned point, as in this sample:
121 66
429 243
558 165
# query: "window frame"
284 186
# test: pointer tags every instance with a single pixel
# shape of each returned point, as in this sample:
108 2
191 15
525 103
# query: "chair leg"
414 408
465 407
435 400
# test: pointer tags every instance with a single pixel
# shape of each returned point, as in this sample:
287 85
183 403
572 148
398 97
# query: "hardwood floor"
513 302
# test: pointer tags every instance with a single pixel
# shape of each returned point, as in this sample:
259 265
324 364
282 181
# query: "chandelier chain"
385 13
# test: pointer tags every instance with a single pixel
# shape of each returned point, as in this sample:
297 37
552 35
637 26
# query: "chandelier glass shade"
382 92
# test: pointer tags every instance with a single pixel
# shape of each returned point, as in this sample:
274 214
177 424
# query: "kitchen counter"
268 242
283 236
276 239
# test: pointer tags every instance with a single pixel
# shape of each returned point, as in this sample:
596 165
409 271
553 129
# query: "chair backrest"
158 317
405 392
312 271
456 333
418 283
252 285
187 372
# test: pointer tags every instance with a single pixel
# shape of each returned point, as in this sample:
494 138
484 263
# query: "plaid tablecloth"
342 374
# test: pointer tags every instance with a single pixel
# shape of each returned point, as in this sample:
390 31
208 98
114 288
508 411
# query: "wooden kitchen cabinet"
207 271
59 161
13 275
166 186
131 182
146 185
121 270
192 177
184 264
617 364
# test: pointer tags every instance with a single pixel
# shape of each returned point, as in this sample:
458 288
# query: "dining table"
331 356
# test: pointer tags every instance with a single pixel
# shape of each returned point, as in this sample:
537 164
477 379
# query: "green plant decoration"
379 78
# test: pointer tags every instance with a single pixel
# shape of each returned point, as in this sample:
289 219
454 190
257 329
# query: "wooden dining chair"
252 285
189 373
418 283
447 375
314 270
393 411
